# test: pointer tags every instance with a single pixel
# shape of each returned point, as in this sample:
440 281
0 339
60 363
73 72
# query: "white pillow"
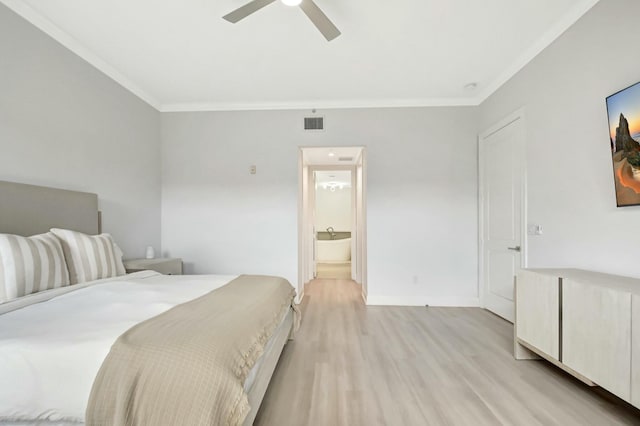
30 264
119 262
89 257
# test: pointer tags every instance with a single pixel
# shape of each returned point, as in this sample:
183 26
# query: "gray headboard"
29 209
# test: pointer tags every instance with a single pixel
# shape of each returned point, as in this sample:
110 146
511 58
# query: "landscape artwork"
623 109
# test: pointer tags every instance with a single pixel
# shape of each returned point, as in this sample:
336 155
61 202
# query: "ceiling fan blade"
246 10
319 19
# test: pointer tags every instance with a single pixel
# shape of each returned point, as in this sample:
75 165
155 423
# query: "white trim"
518 115
514 116
322 104
65 39
354 224
362 170
302 173
551 35
374 300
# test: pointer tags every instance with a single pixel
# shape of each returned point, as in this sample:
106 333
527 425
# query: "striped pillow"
30 264
89 257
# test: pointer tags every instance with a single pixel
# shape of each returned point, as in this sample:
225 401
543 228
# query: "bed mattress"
50 364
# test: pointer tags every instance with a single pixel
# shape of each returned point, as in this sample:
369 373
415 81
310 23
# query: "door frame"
359 222
518 115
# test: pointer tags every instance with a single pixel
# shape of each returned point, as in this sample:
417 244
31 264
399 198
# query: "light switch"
252 170
534 229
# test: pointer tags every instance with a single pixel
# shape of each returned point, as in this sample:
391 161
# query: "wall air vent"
345 158
314 123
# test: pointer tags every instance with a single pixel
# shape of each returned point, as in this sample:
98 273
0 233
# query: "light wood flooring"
352 364
334 270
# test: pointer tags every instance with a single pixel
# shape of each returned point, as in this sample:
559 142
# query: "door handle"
516 248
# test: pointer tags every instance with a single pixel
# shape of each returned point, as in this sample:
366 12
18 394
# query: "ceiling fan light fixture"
309 7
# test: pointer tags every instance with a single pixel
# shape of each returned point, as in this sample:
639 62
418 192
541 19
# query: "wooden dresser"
587 323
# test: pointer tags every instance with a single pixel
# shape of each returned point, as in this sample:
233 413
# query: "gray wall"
422 195
570 178
65 124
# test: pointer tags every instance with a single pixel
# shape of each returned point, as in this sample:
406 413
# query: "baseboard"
299 297
376 300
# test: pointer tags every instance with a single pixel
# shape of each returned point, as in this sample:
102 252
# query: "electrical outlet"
253 170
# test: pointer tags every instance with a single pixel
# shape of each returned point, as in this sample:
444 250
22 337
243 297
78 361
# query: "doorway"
502 213
333 221
332 215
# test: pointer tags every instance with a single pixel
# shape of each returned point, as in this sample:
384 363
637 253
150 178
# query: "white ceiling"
331 156
181 55
334 176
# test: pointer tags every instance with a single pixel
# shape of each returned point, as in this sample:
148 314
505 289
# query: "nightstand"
166 266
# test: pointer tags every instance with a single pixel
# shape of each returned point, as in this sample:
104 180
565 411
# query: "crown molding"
551 35
322 104
62 37
45 25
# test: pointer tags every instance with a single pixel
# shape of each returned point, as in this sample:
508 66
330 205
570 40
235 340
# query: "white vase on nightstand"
150 254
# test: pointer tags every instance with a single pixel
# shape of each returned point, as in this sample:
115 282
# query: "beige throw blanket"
187 366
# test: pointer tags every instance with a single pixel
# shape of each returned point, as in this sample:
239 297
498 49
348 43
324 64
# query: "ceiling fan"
313 12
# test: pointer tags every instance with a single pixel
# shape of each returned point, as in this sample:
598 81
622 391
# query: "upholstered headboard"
29 209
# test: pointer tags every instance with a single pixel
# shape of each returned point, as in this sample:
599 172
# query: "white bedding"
50 352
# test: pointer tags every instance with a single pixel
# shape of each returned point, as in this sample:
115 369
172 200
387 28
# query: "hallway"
340 271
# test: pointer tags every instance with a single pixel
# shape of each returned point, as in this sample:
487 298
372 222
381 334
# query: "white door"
501 203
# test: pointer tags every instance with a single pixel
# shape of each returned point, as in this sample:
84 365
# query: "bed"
60 347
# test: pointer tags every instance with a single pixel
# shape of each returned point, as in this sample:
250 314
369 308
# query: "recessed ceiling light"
292 2
331 154
471 86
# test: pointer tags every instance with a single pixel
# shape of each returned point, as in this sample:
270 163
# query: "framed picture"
623 109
